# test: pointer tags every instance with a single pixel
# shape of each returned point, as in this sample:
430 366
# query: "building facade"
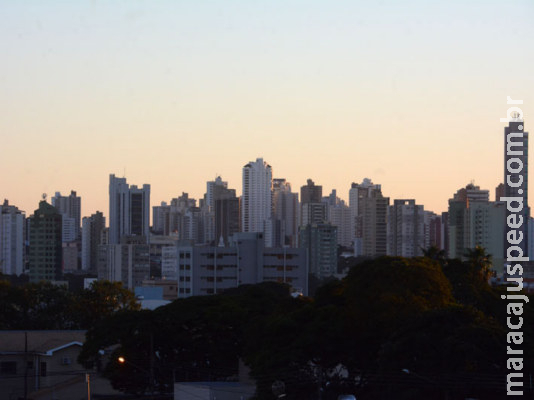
256 199
406 229
320 243
92 228
45 253
129 210
205 270
12 222
70 207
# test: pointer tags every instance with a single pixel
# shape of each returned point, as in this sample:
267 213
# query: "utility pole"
26 367
88 380
151 374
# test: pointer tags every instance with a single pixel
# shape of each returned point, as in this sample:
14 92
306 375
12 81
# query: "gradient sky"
172 93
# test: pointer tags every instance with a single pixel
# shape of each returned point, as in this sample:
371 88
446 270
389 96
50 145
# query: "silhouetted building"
285 210
406 235
160 218
338 214
127 262
92 228
205 270
475 221
70 207
374 224
129 210
12 222
320 242
256 200
357 193
311 193
226 210
45 255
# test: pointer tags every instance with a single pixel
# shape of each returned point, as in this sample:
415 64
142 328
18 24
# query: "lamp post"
150 375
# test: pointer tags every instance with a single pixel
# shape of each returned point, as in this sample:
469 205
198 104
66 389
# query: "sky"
173 93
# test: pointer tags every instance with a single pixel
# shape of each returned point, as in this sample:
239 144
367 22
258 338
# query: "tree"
435 253
102 299
481 261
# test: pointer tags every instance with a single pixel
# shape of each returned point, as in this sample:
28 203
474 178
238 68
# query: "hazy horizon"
174 93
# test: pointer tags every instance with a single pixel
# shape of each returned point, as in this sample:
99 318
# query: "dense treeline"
46 306
393 328
425 327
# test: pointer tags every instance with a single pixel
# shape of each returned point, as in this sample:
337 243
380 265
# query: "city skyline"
409 97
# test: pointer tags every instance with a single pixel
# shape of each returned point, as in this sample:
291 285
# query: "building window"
43 368
8 367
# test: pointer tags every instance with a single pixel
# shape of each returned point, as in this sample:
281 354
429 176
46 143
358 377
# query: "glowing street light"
150 374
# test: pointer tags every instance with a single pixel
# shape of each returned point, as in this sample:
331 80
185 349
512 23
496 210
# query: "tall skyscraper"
312 208
45 259
311 193
11 239
256 200
357 192
374 224
516 171
458 209
320 242
207 208
475 221
129 210
285 210
226 211
406 234
338 214
70 207
210 188
92 228
160 218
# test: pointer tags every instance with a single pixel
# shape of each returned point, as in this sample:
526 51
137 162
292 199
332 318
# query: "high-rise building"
406 233
475 221
45 258
160 218
338 214
129 210
516 172
285 210
211 186
374 224
499 191
11 239
70 207
207 208
311 193
92 228
458 217
226 211
312 208
127 262
256 200
320 242
357 193
434 230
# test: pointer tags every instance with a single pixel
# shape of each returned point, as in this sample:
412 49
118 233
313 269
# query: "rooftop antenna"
44 196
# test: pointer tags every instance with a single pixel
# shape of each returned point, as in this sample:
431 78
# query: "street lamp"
123 360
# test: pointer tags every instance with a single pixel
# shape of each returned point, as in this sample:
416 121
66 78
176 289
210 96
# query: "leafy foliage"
425 327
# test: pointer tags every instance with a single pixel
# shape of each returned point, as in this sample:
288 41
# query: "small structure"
43 365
